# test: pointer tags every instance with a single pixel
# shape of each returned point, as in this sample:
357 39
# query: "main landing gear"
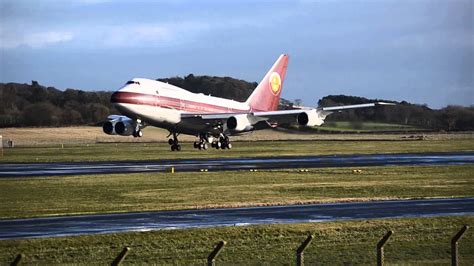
221 142
174 143
200 145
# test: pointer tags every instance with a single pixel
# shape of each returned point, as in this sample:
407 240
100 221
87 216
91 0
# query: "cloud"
12 39
162 34
440 38
104 36
90 2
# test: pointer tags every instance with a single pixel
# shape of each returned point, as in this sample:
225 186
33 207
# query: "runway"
224 164
147 221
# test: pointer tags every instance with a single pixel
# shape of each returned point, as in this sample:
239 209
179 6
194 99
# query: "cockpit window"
132 82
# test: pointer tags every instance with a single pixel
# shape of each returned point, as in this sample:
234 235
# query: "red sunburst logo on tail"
275 82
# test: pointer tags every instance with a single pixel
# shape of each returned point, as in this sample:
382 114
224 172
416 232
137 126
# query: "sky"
421 51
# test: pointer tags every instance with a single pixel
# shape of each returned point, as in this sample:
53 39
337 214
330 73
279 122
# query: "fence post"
17 260
454 245
121 256
380 245
211 259
300 250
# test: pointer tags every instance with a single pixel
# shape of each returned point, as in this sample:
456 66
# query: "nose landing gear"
137 132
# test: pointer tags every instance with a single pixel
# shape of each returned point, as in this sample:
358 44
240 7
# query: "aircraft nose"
116 97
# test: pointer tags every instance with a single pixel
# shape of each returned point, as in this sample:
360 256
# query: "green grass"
354 126
28 197
154 151
415 241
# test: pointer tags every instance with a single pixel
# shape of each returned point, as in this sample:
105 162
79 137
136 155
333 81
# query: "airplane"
145 102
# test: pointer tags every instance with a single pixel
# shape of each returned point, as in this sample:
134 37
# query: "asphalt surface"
223 164
147 221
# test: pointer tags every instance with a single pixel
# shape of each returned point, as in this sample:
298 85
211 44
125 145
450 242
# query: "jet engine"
124 128
109 127
118 125
239 123
309 118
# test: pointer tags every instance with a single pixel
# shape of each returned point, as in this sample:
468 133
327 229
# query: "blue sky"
416 50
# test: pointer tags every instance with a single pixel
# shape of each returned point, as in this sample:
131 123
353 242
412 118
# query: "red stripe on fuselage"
169 102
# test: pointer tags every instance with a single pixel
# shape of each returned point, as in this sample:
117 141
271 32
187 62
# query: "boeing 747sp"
144 102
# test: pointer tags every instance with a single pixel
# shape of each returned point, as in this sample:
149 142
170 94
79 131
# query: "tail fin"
267 94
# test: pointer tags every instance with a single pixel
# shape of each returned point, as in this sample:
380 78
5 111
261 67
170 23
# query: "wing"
241 122
257 116
354 106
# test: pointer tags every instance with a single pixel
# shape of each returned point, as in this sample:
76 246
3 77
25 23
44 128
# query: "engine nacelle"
118 125
310 118
124 128
109 128
239 123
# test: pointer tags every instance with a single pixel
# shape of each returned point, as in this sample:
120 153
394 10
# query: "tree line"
36 105
450 118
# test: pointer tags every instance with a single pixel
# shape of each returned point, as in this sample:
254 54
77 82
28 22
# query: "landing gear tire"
202 144
137 134
175 147
224 142
174 143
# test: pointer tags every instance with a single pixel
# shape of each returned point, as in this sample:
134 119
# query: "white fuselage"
161 104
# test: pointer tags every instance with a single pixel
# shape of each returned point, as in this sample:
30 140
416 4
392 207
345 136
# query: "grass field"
154 151
354 126
90 135
415 241
28 197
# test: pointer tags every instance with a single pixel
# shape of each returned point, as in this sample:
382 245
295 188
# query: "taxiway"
146 221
